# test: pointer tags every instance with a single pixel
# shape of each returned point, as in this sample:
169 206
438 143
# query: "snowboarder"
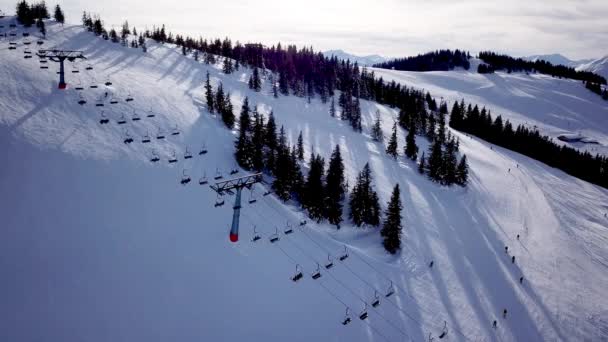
507 249
517 236
504 313
431 264
513 259
521 280
494 324
509 170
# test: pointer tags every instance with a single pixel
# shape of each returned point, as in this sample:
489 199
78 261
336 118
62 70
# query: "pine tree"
243 146
228 112
364 206
275 89
462 172
313 188
227 68
332 107
209 95
254 80
219 99
434 164
449 164
411 149
282 182
334 188
391 230
59 16
391 148
41 27
257 141
300 147
422 164
270 140
377 134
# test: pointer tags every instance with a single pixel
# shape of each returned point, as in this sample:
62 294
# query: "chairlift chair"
187 154
234 170
203 150
99 102
203 180
27 51
173 158
390 291
27 42
113 100
93 83
252 198
26 34
160 135
146 138
298 275
219 201
107 82
104 119
81 100
376 299
40 42
444 332
129 97
317 273
122 120
89 67
274 237
363 315
175 131
330 262
303 223
344 255
150 114
185 178
78 84
347 318
128 139
288 229
218 174
135 116
256 236
75 70
155 158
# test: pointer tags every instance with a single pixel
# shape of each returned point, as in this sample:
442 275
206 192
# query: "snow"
99 244
598 66
361 60
557 59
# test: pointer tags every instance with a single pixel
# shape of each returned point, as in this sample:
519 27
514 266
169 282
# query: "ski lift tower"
229 186
60 56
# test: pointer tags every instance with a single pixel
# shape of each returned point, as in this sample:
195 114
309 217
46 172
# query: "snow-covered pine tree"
300 147
435 161
334 188
209 95
377 134
391 229
411 149
332 107
219 103
364 206
59 16
313 188
391 148
422 164
462 172
257 141
228 112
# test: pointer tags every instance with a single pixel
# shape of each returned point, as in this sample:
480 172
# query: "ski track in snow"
100 244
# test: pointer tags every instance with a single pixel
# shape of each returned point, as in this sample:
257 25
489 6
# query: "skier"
431 264
521 280
504 313
507 249
494 324
513 259
509 170
517 236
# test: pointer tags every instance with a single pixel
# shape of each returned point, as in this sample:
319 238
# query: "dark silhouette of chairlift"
330 262
75 69
99 102
27 42
122 120
104 119
175 131
234 170
256 236
187 154
303 223
218 174
288 229
135 116
252 198
160 134
173 158
129 97
146 138
274 237
203 180
376 299
78 85
26 34
344 255
390 291
219 201
113 99
150 114
347 318
185 178
107 83
40 42
317 273
363 313
155 157
94 84
89 66
298 275
128 139
444 332
203 149
81 100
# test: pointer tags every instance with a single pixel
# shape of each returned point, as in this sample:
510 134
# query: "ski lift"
26 34
376 299
81 100
252 198
302 223
185 178
155 157
267 192
363 314
27 56
288 229
444 332
128 139
129 97
107 82
27 51
298 275
234 170
219 201
75 69
218 174
78 84
173 158
346 319
40 42
43 60
390 291
160 134
146 138
44 66
330 262
274 237
99 102
89 67
187 154
113 100
135 116
256 236
104 119
203 150
122 120
203 180
175 131
344 255
27 42
317 273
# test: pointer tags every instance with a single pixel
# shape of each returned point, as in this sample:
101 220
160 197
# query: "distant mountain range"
556 58
598 66
361 60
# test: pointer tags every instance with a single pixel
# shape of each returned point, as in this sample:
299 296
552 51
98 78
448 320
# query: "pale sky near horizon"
575 28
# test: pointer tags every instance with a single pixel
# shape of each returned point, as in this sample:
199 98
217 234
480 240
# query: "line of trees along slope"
441 60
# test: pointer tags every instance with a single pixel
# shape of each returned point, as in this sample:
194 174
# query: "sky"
577 29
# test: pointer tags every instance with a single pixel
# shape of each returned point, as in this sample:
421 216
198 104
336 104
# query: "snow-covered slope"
555 106
99 244
362 60
598 66
557 59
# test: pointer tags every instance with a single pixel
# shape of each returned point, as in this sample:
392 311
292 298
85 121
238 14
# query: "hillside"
101 244
598 66
362 60
556 59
